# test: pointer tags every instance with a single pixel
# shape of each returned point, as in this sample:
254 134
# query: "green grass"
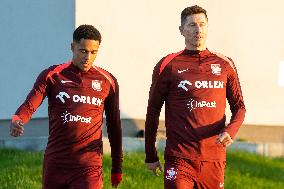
254 172
22 170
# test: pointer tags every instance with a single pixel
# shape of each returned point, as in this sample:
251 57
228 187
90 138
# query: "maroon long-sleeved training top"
76 102
194 86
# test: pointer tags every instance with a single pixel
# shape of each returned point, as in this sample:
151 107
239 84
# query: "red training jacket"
76 102
194 86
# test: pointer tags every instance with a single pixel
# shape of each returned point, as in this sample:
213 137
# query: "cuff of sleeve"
151 159
230 132
16 118
116 178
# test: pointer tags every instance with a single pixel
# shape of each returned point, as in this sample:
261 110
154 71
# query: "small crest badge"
216 69
171 173
97 85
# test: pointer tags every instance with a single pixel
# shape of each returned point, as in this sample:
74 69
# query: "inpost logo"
68 117
194 104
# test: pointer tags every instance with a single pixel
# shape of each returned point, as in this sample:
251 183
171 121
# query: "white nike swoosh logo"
180 71
64 81
221 185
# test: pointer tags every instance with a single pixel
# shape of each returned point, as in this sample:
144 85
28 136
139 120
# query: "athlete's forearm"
157 95
236 102
34 98
236 121
113 123
115 139
151 126
25 111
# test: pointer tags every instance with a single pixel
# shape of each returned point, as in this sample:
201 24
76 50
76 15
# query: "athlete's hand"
154 167
225 139
116 178
16 128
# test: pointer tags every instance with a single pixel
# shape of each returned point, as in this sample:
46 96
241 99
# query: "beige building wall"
137 34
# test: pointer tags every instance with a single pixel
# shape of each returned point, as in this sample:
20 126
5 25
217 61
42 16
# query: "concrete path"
137 144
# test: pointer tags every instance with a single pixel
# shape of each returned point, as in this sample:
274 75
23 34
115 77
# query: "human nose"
198 29
88 56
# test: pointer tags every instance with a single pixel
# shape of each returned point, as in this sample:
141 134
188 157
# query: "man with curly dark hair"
78 93
194 84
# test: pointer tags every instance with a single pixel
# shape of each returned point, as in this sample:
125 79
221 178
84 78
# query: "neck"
194 48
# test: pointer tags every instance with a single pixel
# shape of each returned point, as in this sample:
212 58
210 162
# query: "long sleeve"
235 100
34 98
114 127
157 95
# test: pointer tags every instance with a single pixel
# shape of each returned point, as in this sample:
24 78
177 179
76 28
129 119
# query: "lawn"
22 170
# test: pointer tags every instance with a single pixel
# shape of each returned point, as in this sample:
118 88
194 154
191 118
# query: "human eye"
203 24
94 52
83 51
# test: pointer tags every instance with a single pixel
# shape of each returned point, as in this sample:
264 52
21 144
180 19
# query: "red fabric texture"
194 85
76 103
16 118
116 178
185 174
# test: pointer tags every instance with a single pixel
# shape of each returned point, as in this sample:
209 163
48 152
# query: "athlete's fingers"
223 136
16 128
161 168
154 167
16 133
155 172
225 140
20 123
227 143
17 124
158 169
12 134
220 138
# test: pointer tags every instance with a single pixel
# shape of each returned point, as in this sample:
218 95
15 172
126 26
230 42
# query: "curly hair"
86 32
190 11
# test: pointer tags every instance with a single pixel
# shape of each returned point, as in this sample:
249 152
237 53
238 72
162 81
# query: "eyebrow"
197 22
87 50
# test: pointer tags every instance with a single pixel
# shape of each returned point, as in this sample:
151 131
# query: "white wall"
35 34
136 34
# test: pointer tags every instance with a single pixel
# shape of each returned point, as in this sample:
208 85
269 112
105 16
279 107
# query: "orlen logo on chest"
209 84
201 84
80 99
